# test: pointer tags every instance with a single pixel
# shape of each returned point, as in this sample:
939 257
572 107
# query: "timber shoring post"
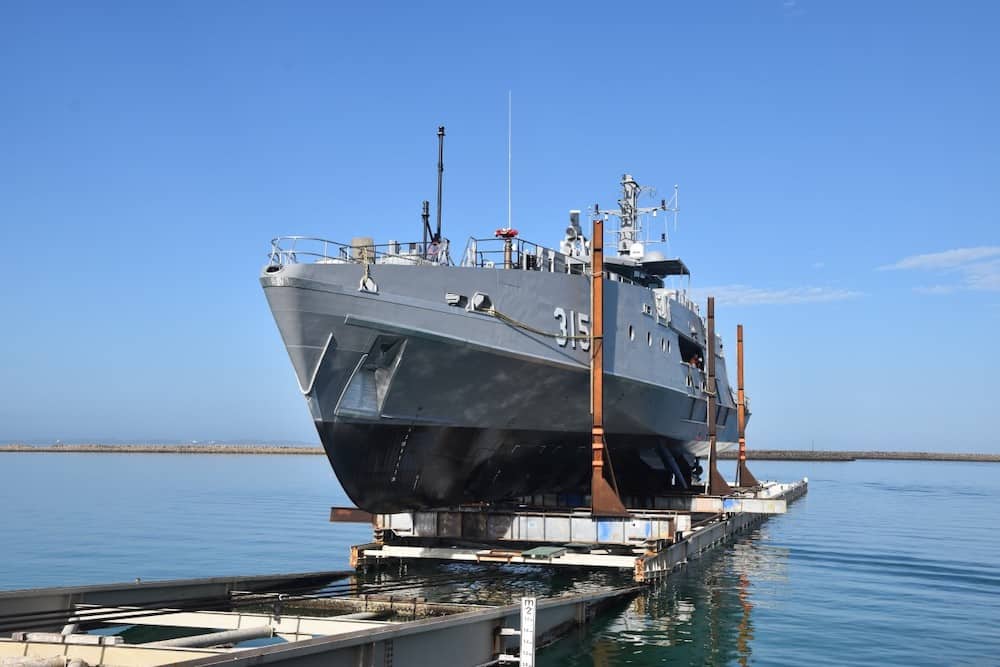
717 485
744 478
604 498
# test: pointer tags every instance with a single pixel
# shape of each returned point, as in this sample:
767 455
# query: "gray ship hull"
421 404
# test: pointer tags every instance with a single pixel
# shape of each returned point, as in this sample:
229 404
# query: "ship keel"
390 468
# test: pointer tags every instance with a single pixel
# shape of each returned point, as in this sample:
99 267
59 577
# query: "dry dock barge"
346 618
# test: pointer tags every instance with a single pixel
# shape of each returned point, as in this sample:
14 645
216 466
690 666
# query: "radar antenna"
629 232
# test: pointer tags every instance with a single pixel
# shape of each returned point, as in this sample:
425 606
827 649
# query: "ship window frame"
649 339
631 332
663 344
688 349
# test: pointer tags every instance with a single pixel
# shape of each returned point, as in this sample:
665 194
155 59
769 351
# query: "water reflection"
703 615
470 583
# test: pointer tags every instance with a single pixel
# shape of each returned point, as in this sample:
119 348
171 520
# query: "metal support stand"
604 498
717 485
744 478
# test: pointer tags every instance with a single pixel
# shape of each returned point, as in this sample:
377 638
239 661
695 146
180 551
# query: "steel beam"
717 485
744 478
604 498
500 556
350 515
536 526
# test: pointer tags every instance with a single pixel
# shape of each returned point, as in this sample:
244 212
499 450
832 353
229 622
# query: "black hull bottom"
386 468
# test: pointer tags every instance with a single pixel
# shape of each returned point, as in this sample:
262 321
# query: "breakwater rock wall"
855 455
752 454
162 449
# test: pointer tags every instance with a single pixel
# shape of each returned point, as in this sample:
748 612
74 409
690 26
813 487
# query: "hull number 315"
574 329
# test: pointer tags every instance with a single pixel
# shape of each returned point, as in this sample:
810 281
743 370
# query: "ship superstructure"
434 382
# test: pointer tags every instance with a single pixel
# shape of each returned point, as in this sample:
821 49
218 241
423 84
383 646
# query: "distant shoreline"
857 455
754 455
162 449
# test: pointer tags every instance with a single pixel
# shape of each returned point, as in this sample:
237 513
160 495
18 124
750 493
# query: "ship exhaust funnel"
744 478
604 498
717 485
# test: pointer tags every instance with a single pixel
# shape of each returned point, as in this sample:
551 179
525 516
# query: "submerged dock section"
318 618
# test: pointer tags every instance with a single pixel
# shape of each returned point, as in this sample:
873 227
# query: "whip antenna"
508 155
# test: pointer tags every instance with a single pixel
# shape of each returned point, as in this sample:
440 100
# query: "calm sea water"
881 563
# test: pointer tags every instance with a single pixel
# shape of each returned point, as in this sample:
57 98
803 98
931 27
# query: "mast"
628 213
629 207
437 235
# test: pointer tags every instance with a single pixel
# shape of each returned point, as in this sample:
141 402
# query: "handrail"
294 249
528 256
681 297
525 255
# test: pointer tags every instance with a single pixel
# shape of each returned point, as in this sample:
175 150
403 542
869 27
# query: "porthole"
668 347
649 339
663 345
631 332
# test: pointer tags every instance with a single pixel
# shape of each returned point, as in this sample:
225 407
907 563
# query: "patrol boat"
435 383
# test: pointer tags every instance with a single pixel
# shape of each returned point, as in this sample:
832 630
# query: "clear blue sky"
149 151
